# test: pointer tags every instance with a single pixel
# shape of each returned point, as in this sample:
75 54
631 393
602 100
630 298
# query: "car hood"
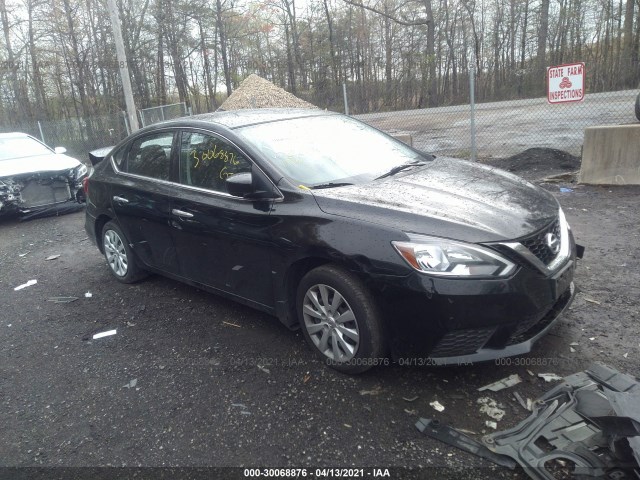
448 198
38 163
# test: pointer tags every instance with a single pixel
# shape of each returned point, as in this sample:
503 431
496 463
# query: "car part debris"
25 285
62 299
507 382
437 405
590 423
52 257
550 377
131 383
264 369
490 407
491 424
108 333
88 295
410 399
453 437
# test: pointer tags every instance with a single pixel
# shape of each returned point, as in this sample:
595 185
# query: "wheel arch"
294 273
101 221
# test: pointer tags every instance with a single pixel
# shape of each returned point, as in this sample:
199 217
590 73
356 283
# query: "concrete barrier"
611 155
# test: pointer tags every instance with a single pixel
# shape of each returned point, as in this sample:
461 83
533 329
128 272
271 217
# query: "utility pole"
124 66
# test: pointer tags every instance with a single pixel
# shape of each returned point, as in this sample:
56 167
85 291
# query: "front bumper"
520 342
445 321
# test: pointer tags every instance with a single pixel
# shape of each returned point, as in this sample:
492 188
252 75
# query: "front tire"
119 255
638 107
340 319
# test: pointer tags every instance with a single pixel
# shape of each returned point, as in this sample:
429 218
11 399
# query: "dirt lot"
219 384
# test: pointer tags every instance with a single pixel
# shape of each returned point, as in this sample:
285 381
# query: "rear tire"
340 319
120 257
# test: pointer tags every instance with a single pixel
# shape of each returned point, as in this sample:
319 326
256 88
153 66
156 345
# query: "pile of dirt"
537 163
256 92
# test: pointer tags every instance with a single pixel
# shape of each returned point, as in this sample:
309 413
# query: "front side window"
206 161
150 156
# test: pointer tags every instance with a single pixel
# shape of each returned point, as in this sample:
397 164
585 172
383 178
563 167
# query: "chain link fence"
149 116
502 128
507 128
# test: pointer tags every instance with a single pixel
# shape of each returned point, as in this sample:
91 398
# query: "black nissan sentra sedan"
373 248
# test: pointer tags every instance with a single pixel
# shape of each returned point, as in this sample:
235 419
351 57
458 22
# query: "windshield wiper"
331 185
400 168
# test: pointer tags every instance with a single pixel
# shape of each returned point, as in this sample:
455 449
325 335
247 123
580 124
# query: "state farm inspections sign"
565 83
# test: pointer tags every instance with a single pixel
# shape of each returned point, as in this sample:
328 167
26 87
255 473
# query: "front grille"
462 342
537 245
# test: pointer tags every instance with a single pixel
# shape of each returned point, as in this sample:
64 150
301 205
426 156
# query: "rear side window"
206 161
150 156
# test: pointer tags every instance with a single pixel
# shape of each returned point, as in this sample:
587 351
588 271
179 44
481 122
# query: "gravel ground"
219 384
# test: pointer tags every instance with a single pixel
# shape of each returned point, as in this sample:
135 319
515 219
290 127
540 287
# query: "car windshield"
328 150
20 147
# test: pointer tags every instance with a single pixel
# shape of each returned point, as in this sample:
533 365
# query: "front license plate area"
562 280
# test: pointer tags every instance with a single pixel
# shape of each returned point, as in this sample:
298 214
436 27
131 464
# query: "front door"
221 241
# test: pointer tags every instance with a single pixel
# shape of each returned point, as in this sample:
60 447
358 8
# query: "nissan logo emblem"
553 242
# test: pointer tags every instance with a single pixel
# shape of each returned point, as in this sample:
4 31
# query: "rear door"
141 198
221 241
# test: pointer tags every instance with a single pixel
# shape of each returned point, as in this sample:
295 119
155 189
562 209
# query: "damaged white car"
34 179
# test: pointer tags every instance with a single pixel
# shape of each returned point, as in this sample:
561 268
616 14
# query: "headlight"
81 170
448 258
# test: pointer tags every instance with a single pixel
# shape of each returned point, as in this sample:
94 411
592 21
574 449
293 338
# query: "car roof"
242 118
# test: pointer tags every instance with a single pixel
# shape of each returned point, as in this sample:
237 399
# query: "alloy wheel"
330 323
115 252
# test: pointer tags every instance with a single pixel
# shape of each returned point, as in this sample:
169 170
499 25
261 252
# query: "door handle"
120 199
181 213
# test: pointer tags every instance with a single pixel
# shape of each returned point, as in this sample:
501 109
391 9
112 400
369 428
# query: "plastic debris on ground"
131 384
22 255
410 399
52 257
586 427
507 382
62 299
373 391
491 424
566 190
437 406
243 407
491 408
526 404
25 285
264 369
231 324
88 295
108 333
550 377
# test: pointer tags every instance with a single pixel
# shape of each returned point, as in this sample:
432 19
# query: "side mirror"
60 150
240 184
245 185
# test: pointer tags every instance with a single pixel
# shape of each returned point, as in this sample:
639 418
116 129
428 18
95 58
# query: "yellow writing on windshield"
201 157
